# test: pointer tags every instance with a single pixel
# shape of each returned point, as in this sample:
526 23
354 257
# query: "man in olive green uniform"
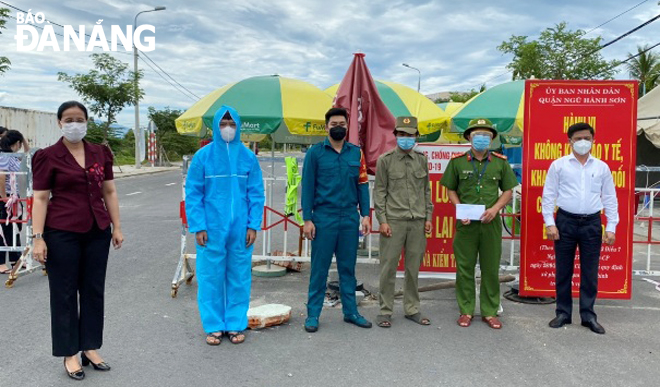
476 177
402 200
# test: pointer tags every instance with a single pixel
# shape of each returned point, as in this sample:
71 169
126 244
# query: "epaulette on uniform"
459 155
498 155
389 152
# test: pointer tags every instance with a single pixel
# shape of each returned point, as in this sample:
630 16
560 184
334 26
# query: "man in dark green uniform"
402 200
476 177
334 183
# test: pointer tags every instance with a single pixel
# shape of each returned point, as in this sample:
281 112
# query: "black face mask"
338 133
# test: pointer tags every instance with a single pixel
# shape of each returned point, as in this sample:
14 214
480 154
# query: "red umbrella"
371 124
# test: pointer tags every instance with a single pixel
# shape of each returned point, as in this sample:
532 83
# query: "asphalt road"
154 340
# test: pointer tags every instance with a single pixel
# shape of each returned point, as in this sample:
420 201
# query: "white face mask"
582 147
74 131
228 133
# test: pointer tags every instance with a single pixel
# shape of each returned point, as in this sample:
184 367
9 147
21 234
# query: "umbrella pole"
270 198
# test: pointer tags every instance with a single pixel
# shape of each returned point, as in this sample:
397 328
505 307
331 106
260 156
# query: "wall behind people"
39 128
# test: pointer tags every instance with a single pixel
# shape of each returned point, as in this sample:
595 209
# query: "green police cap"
406 124
479 123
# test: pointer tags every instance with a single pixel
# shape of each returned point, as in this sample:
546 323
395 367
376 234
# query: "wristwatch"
38 236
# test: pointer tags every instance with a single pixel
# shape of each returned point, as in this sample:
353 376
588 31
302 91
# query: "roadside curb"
125 175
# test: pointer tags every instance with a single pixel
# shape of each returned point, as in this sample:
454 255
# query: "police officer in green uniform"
402 200
476 177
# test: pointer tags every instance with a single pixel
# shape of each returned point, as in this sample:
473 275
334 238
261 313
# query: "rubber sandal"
214 338
492 322
234 335
465 320
418 318
384 320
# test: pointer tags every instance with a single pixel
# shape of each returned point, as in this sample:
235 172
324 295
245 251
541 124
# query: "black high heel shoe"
78 374
102 366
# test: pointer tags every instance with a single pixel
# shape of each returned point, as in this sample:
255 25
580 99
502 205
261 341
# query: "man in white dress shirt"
581 186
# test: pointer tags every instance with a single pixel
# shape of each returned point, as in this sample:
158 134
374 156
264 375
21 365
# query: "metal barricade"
26 263
649 194
271 219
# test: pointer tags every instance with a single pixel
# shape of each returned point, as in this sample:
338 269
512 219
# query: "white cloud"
206 44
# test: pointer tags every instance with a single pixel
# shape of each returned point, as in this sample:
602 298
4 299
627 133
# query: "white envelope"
470 211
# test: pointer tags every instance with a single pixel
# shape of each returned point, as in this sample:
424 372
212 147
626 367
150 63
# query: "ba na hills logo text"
29 38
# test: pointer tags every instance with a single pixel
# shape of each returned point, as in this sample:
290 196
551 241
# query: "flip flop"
214 338
418 318
234 335
384 320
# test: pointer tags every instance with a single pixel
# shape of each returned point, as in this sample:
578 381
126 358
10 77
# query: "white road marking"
169 184
133 193
653 308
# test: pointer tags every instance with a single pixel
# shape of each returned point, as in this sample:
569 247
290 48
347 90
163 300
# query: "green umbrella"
266 105
503 105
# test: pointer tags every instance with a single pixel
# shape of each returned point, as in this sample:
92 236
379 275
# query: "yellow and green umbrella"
503 105
404 101
445 136
266 104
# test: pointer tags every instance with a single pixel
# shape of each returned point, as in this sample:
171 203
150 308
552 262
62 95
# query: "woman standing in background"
10 142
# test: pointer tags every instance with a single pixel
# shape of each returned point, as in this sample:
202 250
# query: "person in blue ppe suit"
334 182
224 206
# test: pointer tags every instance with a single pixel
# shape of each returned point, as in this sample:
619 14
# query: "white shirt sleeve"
608 197
550 189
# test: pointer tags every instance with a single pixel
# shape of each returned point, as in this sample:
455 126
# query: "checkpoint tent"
648 138
648 116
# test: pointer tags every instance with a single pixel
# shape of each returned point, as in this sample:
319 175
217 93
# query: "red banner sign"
610 107
439 256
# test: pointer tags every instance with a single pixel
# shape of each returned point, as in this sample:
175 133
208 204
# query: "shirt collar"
327 143
401 154
470 156
589 159
61 149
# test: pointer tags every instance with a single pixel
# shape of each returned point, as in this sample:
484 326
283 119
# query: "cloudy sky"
206 44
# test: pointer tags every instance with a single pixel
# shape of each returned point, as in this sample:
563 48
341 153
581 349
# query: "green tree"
645 68
464 96
5 64
557 54
107 89
175 145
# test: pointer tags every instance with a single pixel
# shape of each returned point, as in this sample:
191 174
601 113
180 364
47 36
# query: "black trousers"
584 232
76 265
8 232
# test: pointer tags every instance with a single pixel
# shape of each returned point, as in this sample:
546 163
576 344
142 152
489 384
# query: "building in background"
39 128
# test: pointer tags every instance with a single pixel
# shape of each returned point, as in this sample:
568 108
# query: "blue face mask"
481 142
405 143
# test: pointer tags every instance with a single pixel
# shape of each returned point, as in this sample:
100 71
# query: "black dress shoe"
594 326
102 366
78 374
559 321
